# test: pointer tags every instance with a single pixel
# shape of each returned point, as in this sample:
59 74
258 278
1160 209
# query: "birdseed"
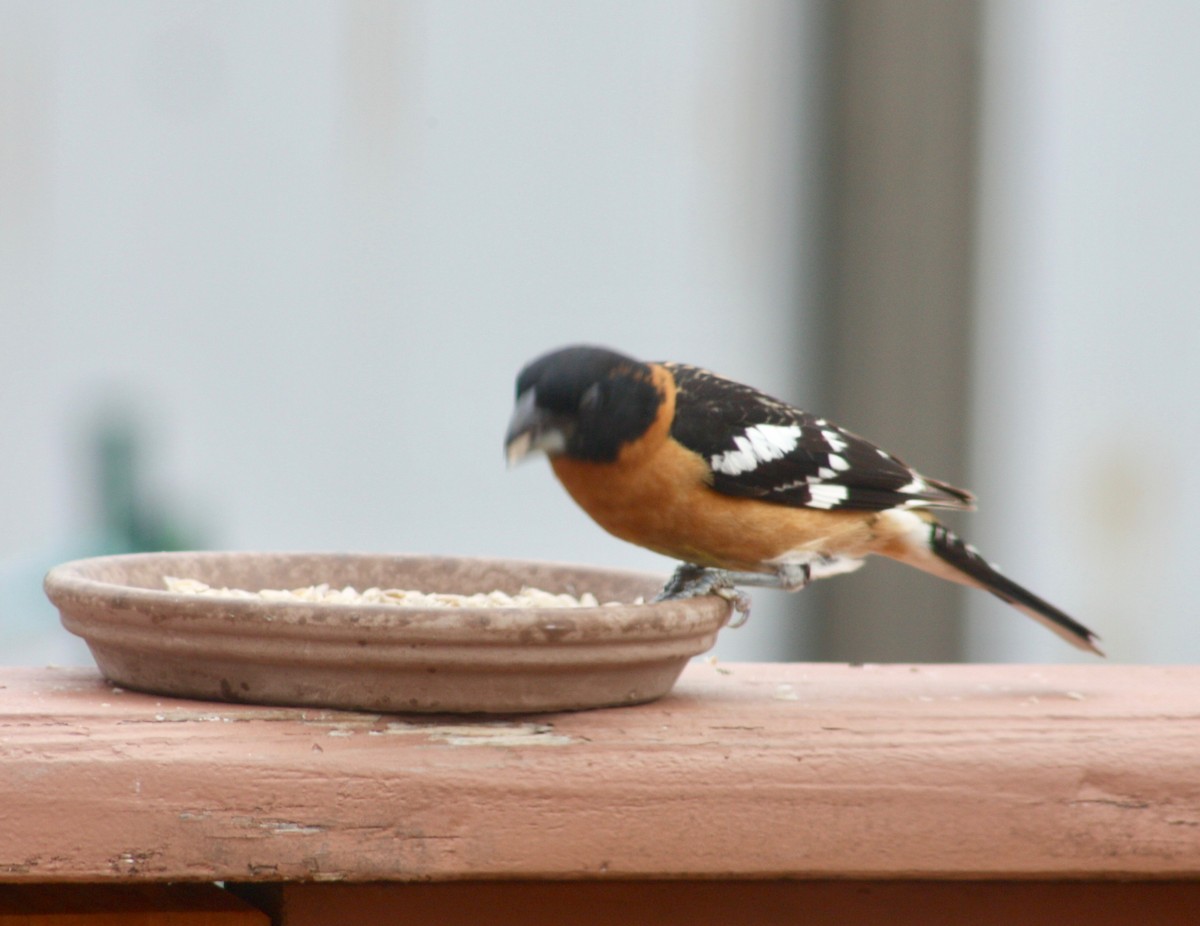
402 597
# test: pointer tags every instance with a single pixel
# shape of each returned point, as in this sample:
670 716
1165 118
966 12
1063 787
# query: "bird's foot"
691 581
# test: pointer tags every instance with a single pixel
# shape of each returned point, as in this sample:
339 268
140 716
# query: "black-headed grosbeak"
743 488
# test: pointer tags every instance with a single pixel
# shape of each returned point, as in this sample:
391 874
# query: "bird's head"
581 402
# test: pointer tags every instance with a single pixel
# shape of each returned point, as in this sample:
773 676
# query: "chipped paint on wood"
747 771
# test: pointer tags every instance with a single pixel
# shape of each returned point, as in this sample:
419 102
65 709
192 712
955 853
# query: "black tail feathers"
961 556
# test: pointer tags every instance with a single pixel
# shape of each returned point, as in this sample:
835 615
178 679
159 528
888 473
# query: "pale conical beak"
531 429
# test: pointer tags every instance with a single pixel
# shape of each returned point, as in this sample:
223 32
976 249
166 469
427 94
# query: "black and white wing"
760 447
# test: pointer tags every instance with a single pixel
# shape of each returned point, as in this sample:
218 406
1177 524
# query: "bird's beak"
531 429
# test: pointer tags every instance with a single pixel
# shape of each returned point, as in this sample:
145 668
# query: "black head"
583 402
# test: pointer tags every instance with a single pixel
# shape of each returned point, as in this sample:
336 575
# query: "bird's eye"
592 398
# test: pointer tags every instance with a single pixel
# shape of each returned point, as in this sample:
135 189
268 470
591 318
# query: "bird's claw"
740 601
691 581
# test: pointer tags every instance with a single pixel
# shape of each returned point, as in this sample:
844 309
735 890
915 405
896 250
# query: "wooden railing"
784 789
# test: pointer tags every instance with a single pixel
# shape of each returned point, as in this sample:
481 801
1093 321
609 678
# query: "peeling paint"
133 862
511 739
283 826
486 734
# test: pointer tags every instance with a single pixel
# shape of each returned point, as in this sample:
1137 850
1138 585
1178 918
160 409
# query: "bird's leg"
791 577
692 581
686 582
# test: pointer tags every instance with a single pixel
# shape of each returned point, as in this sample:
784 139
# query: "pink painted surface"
745 771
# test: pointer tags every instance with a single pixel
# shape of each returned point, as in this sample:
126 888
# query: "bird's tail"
945 554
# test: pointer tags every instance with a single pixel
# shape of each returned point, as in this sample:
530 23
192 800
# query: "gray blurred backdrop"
267 272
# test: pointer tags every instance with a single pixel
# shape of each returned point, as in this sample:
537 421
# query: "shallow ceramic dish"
380 657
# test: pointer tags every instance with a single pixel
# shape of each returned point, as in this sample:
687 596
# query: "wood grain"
746 771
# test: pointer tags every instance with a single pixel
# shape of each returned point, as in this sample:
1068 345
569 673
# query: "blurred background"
267 272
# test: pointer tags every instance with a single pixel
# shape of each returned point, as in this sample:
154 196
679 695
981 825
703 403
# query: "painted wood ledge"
745 771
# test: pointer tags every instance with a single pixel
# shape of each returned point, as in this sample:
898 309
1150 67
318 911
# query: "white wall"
1087 411
312 243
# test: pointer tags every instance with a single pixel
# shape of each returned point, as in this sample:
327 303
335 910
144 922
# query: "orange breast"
657 497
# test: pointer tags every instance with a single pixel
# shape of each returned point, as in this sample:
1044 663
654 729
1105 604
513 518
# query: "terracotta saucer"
380 657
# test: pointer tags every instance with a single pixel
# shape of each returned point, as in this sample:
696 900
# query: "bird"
743 489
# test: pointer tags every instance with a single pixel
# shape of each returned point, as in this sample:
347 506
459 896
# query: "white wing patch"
826 495
837 464
914 487
835 441
761 443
